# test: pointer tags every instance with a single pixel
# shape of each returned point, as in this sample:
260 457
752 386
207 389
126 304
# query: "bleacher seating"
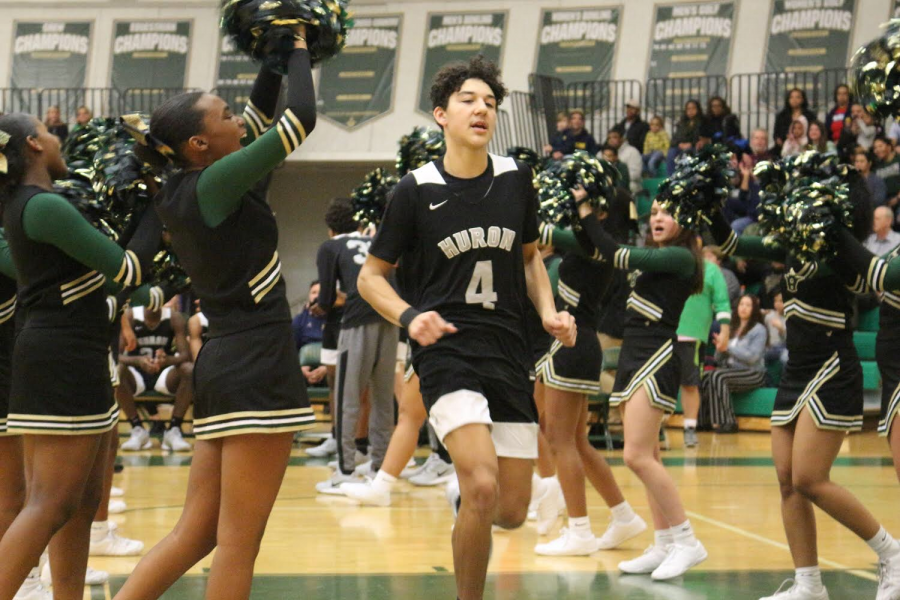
310 356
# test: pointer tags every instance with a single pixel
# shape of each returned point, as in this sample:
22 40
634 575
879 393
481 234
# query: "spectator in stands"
759 147
632 127
562 123
882 239
83 116
744 366
741 206
611 155
715 256
686 135
795 106
839 115
308 329
576 137
776 348
55 124
818 141
720 125
797 140
629 155
863 127
863 161
887 167
656 144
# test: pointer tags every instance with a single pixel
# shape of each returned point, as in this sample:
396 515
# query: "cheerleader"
647 380
59 398
819 400
249 394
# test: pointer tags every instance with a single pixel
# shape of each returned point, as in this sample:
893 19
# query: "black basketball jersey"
817 305
54 289
656 298
460 242
234 267
7 320
582 284
339 260
149 340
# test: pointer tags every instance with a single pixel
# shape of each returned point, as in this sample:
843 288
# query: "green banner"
578 44
458 36
808 36
357 85
691 40
50 55
235 75
150 54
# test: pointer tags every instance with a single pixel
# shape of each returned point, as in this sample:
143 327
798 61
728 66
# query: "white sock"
538 487
690 423
383 482
884 545
684 534
662 538
581 526
809 578
99 530
622 512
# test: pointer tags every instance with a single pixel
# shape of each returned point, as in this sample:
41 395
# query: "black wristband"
407 316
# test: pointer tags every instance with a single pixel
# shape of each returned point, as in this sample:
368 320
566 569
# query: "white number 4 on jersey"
482 277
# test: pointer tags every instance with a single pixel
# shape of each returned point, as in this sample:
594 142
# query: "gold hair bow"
140 131
4 140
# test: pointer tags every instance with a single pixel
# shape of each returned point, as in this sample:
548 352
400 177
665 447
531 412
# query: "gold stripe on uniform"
265 271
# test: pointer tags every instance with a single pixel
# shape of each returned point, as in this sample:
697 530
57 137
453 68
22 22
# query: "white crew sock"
622 512
884 545
581 526
99 530
690 423
809 578
538 487
684 534
383 482
663 538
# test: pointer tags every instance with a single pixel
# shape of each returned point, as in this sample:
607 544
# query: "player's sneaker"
138 440
569 544
116 506
797 592
173 440
332 485
32 588
647 562
411 469
679 559
453 495
115 545
116 492
358 459
326 448
548 507
690 437
889 579
365 493
365 470
617 533
91 576
435 472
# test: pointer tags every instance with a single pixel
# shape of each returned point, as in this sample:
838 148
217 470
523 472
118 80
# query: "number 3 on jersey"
483 279
362 250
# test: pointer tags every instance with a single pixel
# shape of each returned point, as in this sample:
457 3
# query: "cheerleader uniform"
61 382
661 285
7 328
823 370
247 377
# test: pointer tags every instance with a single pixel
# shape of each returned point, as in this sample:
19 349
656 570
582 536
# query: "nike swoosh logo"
436 206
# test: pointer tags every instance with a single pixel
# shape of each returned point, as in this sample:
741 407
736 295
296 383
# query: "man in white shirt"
629 155
883 239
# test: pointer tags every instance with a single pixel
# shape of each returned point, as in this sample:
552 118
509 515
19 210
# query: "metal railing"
666 97
20 100
100 101
603 102
146 100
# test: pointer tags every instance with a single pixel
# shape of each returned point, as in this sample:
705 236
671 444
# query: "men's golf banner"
458 36
578 44
150 54
357 85
691 40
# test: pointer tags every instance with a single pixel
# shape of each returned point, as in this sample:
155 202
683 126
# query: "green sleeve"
6 264
564 240
553 274
752 246
721 301
673 259
50 219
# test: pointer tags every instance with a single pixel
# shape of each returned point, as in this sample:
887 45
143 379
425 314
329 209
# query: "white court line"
824 561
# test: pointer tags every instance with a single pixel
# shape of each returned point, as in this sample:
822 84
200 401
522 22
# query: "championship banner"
150 54
578 44
235 76
357 85
50 55
459 36
809 35
691 40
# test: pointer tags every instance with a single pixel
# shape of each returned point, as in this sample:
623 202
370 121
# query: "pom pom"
79 191
557 206
875 73
419 148
813 215
527 156
166 270
370 198
83 143
266 29
700 185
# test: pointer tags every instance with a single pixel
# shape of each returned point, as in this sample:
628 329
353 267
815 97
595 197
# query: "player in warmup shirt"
465 228
367 347
162 363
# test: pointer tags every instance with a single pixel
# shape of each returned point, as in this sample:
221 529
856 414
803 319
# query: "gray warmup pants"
366 358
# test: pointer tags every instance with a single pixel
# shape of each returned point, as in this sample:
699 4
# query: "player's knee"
807 485
482 491
637 459
55 509
785 482
185 371
12 500
512 516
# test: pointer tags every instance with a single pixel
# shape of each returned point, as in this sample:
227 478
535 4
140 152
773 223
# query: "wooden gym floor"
321 547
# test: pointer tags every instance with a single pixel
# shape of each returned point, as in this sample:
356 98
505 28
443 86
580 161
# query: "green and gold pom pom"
370 198
813 215
79 191
419 148
875 73
166 270
700 185
556 204
267 29
527 156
